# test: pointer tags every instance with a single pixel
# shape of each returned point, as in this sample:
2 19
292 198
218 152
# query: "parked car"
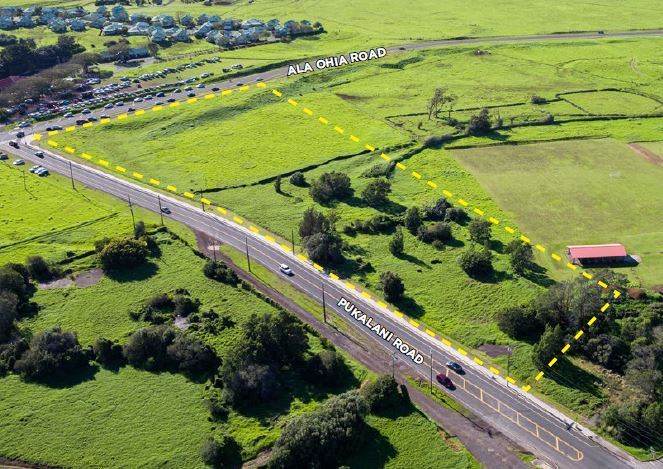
3 156
456 367
286 269
445 381
108 106
34 168
191 95
86 111
51 128
81 121
20 134
24 124
68 115
18 162
42 172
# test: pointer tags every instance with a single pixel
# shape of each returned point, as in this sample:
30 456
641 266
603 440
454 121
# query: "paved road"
518 415
281 72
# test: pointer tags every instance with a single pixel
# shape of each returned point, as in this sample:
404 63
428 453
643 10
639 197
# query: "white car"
34 168
18 162
286 269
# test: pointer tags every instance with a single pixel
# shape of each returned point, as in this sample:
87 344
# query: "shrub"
217 406
38 268
436 211
191 356
52 354
139 229
457 215
184 305
220 452
378 170
8 313
412 219
123 254
479 124
520 323
161 302
324 248
520 256
107 353
392 286
325 367
382 393
480 231
440 231
250 383
377 224
298 179
331 186
219 271
538 100
376 192
396 243
476 263
548 346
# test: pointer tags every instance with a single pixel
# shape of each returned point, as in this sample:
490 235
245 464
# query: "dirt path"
486 444
646 154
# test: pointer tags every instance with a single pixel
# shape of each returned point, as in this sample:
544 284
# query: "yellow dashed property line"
462 351
238 220
244 88
307 111
602 284
191 100
526 388
37 136
104 120
587 276
319 267
175 104
254 229
399 314
509 230
52 143
478 361
432 184
416 175
171 188
292 102
104 163
53 132
302 257
578 334
285 247
369 147
323 120
566 348
69 129
339 130
447 193
155 182
277 93
380 303
139 112
525 239
605 307
540 248
87 124
222 210
556 257
430 333
478 212
591 321
205 201
385 157
539 376
210 96
463 202
552 362
365 295
226 92
511 380
616 294
401 166
446 342
494 370
69 150
123 116
571 266
349 285
157 108
261 85
333 275
414 323
188 195
354 138
88 157
137 175
121 169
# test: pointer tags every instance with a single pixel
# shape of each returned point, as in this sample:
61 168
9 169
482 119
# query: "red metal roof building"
596 253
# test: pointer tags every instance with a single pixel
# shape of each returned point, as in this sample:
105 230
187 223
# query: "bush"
377 192
324 248
436 211
298 179
139 229
382 393
440 231
220 452
38 268
378 170
392 286
480 231
520 256
250 383
107 353
538 100
325 367
184 305
520 323
217 407
412 219
476 263
8 313
457 215
479 124
331 186
192 356
323 437
396 243
125 253
52 354
219 271
377 224
548 346
161 302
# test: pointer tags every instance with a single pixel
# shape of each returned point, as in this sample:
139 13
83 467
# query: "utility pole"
202 196
324 306
393 365
248 259
431 371
160 209
25 185
214 249
71 174
292 237
508 364
131 208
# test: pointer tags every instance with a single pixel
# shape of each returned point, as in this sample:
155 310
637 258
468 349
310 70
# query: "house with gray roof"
180 35
251 23
203 30
165 21
186 20
158 35
139 29
57 25
25 22
119 14
6 23
113 29
77 25
138 18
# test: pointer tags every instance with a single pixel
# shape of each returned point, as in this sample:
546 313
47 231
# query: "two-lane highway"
520 417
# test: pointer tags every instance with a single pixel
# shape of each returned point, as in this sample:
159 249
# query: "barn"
596 254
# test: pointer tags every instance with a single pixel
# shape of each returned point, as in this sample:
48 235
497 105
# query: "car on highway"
171 100
3 156
216 88
20 134
188 88
138 100
160 94
24 124
92 119
456 367
51 128
67 115
86 111
13 143
191 95
445 381
239 84
166 210
18 162
81 121
285 268
39 154
200 85
108 106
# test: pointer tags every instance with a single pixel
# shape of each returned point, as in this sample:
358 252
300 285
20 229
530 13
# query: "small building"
57 26
77 25
25 22
139 29
6 23
113 29
158 35
597 254
136 18
186 20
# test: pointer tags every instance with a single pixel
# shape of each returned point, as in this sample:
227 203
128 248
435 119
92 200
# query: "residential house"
57 25
6 23
113 29
139 29
77 25
119 14
158 35
25 22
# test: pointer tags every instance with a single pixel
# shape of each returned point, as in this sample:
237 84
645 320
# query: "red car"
445 381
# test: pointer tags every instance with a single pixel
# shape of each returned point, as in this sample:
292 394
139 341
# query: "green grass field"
578 192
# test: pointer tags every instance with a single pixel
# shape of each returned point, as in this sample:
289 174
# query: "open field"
578 192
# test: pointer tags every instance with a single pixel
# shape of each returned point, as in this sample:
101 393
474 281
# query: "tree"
480 231
219 271
331 186
123 254
298 179
324 247
8 313
211 452
520 323
520 256
220 451
14 282
476 263
396 243
192 356
437 211
277 185
107 353
313 222
439 231
479 124
645 369
382 393
548 347
412 219
139 229
325 367
438 100
52 354
392 286
38 268
376 192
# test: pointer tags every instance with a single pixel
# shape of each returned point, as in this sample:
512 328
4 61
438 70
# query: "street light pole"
508 364
131 208
393 365
71 174
292 237
431 371
248 259
160 209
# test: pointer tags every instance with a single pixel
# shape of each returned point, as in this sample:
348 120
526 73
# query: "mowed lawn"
578 192
126 419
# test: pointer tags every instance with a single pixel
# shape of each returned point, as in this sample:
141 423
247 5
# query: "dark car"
20 134
456 367
445 381
165 210
171 100
191 95
81 121
13 143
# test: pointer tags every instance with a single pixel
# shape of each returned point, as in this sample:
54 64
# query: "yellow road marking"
171 188
121 169
239 220
478 360
578 334
552 362
155 182
566 348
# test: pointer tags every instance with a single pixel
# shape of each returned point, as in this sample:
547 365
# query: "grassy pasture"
614 102
577 192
